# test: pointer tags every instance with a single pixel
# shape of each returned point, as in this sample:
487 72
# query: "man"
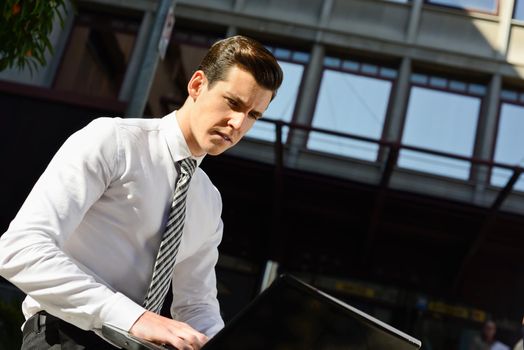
487 339
84 245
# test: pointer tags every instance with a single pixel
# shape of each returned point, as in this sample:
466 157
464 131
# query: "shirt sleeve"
194 288
32 252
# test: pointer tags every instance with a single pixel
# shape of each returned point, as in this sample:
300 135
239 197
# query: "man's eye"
255 116
231 102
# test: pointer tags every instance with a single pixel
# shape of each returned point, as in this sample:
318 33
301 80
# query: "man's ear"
196 84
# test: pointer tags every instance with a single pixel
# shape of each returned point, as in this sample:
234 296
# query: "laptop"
293 315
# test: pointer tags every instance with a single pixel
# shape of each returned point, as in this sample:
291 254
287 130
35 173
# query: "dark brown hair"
247 54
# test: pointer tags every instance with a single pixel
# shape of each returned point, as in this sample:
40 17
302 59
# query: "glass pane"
438 82
388 73
369 69
442 121
509 148
477 89
169 89
332 62
350 65
519 10
283 54
434 164
458 86
419 78
351 104
97 55
282 106
301 57
481 5
509 95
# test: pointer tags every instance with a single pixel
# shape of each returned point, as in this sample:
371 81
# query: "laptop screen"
293 315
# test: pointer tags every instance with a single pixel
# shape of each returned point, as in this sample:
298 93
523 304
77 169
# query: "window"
509 147
96 57
283 105
184 53
518 12
353 99
490 6
442 115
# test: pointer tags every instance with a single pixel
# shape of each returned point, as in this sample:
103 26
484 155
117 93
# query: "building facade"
387 169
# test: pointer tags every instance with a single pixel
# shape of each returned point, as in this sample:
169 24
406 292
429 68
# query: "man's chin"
217 146
215 151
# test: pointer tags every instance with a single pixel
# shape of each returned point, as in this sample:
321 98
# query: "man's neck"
183 116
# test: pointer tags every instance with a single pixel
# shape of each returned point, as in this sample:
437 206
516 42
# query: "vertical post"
136 57
485 138
414 20
149 64
277 238
279 145
396 115
306 102
307 96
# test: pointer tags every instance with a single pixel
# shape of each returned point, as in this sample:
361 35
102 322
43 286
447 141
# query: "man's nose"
236 120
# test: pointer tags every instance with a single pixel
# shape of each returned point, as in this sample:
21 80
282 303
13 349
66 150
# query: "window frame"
449 80
518 101
359 72
468 9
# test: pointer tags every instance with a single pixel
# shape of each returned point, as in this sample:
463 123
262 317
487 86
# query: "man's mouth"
225 136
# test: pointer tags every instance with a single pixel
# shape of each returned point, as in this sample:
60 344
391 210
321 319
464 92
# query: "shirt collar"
175 139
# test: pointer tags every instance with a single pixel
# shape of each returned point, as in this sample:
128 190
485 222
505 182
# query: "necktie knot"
187 166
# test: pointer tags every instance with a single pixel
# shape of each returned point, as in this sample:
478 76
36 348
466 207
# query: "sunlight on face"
223 114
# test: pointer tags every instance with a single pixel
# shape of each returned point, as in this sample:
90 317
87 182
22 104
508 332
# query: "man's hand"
162 330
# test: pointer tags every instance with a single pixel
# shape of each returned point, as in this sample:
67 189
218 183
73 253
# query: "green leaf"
27 30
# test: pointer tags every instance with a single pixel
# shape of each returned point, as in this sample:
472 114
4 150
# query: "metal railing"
389 162
394 148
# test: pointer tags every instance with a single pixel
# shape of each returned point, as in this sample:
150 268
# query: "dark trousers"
44 331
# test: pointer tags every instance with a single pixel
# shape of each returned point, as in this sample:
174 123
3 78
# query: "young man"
486 340
84 245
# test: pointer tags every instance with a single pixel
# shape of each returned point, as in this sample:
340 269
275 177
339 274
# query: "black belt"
52 326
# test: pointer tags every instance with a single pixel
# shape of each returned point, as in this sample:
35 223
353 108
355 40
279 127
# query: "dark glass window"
184 53
96 57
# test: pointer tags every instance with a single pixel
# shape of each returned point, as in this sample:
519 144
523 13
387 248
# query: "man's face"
489 330
223 114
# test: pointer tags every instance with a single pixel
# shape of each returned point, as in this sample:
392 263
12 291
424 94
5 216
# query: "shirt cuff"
121 312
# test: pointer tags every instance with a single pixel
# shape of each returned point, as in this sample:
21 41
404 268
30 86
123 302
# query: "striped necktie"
167 252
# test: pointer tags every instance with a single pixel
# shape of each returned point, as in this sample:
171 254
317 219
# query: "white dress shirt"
83 245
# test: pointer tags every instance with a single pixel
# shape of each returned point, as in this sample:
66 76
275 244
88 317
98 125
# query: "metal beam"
142 5
277 238
147 70
380 199
486 227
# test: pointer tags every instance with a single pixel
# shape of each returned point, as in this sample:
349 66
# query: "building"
387 170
